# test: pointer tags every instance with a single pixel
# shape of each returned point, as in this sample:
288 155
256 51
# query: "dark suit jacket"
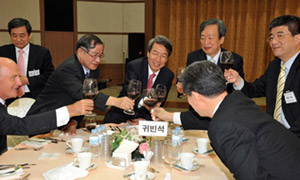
39 59
266 85
190 119
251 143
138 69
12 125
64 87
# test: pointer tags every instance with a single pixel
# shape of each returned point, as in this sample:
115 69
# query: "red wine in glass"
90 95
150 102
133 92
133 95
226 59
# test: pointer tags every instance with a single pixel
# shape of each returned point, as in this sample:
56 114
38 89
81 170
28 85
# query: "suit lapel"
292 73
144 73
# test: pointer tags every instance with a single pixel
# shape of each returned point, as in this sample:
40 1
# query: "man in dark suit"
64 86
159 49
37 61
11 84
283 104
212 35
248 141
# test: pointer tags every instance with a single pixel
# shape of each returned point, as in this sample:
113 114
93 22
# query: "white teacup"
202 145
140 169
187 160
75 144
84 159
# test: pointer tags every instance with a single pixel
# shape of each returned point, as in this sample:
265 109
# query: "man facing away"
64 86
34 61
11 84
280 83
248 141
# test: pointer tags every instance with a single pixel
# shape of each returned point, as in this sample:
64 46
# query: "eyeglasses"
101 56
279 37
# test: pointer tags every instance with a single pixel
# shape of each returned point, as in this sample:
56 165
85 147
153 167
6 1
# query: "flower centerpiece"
131 134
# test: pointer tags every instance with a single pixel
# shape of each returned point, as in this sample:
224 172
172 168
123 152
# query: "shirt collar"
151 72
216 57
25 49
85 70
2 101
290 62
217 107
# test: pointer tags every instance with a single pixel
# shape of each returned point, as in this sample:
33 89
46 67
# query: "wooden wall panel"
60 44
113 72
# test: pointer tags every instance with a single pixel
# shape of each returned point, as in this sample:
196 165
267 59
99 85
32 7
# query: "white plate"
70 151
195 150
150 176
194 167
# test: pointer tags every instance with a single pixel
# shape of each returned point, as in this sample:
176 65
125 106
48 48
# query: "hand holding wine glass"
179 89
161 91
133 92
226 59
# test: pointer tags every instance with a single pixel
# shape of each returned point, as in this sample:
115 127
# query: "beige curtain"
246 21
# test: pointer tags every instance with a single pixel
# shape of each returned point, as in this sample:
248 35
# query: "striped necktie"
280 86
150 81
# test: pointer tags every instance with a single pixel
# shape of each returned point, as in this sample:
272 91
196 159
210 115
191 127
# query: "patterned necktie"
150 81
87 75
280 86
21 65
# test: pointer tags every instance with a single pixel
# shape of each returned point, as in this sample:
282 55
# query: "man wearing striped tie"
281 81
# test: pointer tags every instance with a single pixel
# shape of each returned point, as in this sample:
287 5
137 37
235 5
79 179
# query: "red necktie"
150 81
21 65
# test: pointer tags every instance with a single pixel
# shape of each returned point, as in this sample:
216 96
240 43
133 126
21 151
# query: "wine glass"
150 97
171 153
226 59
90 91
133 92
161 91
179 71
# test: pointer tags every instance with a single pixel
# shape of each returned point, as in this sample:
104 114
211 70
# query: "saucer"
149 175
70 151
195 150
92 166
194 167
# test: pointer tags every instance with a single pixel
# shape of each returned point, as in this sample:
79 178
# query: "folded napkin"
67 172
11 173
36 142
148 155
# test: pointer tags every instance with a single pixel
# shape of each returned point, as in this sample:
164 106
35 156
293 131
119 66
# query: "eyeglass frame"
101 56
278 36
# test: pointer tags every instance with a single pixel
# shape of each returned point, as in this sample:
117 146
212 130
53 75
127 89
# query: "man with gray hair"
158 51
248 141
64 86
212 35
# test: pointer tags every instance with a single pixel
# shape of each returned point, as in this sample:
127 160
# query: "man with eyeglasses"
281 81
64 86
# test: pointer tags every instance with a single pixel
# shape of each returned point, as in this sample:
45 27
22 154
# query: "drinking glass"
150 97
179 71
133 92
90 91
171 153
161 91
226 59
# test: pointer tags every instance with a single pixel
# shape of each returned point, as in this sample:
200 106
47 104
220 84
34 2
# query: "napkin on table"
67 172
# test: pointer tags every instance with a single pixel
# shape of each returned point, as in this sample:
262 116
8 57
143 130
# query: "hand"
70 128
122 103
179 88
232 76
82 107
161 114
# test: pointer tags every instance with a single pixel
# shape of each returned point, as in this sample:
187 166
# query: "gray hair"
163 41
204 77
219 22
88 41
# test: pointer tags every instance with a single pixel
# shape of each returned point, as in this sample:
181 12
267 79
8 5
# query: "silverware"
28 148
12 165
128 175
209 151
24 177
151 169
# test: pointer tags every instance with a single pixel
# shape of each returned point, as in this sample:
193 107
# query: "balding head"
9 78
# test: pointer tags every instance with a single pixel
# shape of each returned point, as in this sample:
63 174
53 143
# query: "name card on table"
153 128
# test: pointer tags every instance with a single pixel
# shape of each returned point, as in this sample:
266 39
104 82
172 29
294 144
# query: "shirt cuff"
240 86
141 103
176 118
62 116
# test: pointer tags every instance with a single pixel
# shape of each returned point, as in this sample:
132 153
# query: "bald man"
11 81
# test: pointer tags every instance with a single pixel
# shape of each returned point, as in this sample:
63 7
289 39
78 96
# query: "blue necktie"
87 75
